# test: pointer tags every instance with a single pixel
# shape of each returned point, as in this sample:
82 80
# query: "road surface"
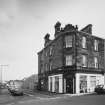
57 100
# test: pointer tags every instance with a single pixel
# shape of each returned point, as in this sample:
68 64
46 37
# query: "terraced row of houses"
73 62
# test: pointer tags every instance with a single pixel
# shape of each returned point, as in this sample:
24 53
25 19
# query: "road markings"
28 94
49 98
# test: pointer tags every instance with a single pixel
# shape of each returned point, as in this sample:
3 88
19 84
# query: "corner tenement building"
71 63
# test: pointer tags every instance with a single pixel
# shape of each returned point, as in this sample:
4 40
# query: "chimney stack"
46 38
57 28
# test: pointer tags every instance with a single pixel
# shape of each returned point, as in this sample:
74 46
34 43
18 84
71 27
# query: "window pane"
84 42
83 83
51 50
46 66
69 60
68 41
57 84
96 62
84 60
50 66
50 83
93 81
96 45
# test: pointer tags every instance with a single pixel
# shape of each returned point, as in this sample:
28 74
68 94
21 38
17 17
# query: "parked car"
15 87
100 89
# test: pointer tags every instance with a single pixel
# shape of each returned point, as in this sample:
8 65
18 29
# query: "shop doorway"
69 85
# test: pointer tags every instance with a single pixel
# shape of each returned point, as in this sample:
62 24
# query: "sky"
24 23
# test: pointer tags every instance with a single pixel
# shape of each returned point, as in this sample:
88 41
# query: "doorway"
69 85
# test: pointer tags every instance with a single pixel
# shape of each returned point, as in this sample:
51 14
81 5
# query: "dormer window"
68 41
83 42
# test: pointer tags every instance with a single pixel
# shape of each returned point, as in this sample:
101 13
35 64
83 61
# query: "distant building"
30 82
71 63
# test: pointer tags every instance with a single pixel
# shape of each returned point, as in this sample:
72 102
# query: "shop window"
57 84
68 41
51 84
83 84
68 60
93 81
83 42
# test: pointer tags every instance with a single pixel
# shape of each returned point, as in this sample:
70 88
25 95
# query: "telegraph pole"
1 69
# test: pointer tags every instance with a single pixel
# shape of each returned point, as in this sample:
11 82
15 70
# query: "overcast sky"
24 23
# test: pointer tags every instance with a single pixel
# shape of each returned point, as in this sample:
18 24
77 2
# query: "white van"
15 87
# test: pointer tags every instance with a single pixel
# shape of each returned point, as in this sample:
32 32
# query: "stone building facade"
73 62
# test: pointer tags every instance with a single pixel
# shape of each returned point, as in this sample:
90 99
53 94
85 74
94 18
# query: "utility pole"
1 69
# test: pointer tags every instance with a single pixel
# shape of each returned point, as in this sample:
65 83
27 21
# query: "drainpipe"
104 62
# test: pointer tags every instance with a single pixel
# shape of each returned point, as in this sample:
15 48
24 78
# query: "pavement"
45 94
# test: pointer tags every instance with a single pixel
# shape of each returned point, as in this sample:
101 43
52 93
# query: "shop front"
69 83
61 83
86 83
55 83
